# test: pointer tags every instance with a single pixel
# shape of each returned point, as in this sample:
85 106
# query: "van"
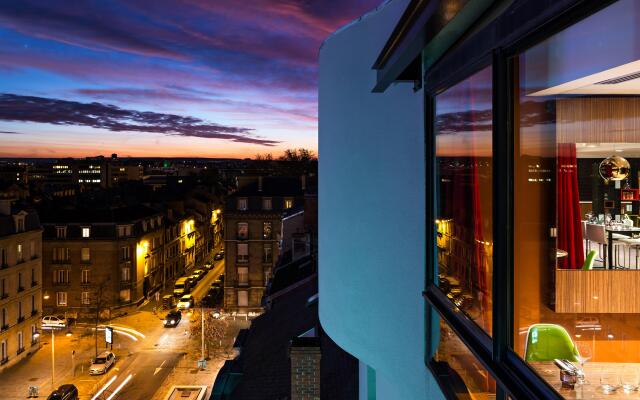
181 287
64 392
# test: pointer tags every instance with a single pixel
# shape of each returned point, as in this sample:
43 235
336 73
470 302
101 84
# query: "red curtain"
568 207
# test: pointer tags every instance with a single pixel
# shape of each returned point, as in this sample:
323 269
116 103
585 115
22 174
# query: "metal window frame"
513 376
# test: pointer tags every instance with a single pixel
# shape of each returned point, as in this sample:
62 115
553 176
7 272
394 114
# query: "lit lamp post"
36 334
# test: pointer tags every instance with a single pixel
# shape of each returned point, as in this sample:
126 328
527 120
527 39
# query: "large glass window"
463 129
457 367
576 203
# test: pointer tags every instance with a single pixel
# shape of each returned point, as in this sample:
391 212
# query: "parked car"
185 302
182 286
197 274
64 392
216 284
102 363
54 321
172 319
219 255
208 266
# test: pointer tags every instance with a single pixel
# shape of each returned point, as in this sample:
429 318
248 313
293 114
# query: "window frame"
498 41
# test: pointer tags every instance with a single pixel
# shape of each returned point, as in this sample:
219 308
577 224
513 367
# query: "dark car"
219 255
213 298
64 392
208 266
172 319
216 284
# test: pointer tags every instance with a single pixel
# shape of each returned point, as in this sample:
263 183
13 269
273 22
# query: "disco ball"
614 168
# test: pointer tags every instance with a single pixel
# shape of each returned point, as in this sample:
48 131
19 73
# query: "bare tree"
215 329
100 301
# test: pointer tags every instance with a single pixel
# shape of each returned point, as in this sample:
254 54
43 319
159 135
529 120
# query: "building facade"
253 232
20 282
465 140
102 261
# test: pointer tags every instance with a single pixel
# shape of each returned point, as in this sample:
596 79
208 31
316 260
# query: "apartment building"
101 258
20 281
253 221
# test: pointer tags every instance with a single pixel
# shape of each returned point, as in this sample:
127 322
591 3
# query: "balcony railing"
34 312
19 351
61 283
21 319
61 261
20 289
34 256
4 361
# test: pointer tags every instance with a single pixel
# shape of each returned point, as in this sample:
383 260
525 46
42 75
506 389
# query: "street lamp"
53 354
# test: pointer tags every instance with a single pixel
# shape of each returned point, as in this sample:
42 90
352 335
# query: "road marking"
119 388
158 369
106 385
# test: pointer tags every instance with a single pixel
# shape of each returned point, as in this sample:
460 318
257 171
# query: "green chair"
546 342
588 261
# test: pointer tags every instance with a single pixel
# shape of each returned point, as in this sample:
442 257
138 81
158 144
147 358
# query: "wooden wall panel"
597 291
598 120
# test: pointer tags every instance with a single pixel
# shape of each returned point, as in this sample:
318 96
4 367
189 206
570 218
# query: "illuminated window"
19 254
85 254
86 232
266 230
124 230
243 298
288 203
243 230
125 275
243 276
86 298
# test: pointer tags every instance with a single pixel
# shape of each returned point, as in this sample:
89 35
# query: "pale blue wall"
371 210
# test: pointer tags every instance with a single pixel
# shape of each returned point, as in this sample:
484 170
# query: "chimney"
305 368
259 184
5 206
303 178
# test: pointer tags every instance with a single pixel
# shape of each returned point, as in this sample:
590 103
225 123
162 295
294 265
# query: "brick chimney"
305 368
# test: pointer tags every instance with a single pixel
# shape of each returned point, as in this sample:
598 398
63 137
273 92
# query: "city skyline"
186 79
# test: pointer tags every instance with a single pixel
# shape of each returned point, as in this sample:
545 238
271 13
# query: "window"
85 298
288 202
464 195
60 254
61 232
3 257
20 286
34 279
3 287
266 230
19 253
243 230
20 224
32 249
242 204
86 232
5 355
267 253
61 298
266 203
84 276
243 253
124 230
20 342
85 254
243 276
61 276
125 253
33 304
243 298
125 295
576 163
4 318
19 310
125 275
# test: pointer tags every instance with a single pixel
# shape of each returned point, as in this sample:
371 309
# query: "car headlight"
173 322
164 322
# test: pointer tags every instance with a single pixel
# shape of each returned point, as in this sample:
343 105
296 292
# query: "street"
149 356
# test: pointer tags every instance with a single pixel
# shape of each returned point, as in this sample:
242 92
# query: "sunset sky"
193 78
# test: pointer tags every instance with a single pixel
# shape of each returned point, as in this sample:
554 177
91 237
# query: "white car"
185 302
54 321
102 363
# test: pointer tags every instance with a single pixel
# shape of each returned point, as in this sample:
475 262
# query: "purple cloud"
104 116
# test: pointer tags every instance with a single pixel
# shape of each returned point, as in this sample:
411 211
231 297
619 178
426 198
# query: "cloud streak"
105 116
